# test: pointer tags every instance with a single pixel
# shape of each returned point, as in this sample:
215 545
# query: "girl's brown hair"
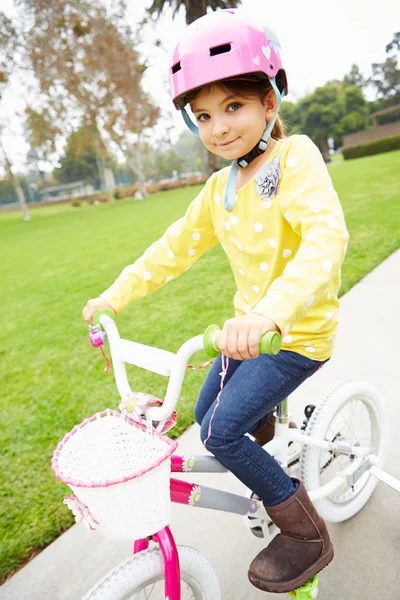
249 86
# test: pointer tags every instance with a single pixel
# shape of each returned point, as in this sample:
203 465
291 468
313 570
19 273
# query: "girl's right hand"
92 306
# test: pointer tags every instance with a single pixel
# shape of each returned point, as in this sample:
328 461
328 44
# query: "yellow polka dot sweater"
285 240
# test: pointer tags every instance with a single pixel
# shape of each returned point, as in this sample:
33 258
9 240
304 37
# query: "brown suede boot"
298 552
266 433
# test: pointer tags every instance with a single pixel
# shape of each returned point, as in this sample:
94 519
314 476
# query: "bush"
76 203
375 147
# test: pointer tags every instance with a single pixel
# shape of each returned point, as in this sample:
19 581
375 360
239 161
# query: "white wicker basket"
120 472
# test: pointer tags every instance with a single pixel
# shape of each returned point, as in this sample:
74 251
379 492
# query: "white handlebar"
152 359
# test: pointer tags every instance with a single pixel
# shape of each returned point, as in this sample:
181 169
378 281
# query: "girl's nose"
220 128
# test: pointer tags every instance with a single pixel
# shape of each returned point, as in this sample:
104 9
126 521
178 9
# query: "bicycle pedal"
308 591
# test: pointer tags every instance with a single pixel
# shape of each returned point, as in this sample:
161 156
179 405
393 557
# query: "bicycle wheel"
141 577
353 413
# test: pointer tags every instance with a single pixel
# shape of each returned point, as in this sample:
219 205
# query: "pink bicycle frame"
183 492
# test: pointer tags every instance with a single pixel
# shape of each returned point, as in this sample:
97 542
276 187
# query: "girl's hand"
240 337
92 306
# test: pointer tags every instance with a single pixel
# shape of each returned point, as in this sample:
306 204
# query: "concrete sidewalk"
367 560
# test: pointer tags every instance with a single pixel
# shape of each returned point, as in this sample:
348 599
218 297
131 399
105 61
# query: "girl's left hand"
240 336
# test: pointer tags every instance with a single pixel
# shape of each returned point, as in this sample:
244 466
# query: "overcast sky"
321 39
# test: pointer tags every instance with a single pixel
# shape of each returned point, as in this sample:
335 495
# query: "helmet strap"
260 148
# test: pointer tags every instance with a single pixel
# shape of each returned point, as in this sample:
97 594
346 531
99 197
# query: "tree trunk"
17 186
140 172
194 10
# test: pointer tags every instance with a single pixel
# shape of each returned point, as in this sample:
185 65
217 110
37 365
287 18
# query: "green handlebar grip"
270 342
99 313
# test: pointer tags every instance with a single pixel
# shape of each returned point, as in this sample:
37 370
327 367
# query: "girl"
278 218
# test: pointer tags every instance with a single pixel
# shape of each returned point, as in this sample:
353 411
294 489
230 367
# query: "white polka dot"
255 289
246 308
191 252
292 161
227 225
286 329
217 198
241 272
246 297
310 349
310 301
169 278
196 236
333 223
287 339
316 207
258 227
288 217
234 220
329 296
267 203
147 275
329 316
264 267
287 253
170 254
327 265
240 247
272 243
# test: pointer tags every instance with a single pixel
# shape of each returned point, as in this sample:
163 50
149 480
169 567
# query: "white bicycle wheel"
354 413
141 577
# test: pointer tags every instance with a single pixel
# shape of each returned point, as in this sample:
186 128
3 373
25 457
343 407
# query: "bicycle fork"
169 552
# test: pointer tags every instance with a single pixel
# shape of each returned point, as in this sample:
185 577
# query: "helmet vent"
220 49
177 67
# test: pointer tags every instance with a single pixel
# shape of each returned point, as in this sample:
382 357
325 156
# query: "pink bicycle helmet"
222 45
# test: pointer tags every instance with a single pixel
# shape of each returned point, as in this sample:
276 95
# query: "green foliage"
332 110
80 160
387 144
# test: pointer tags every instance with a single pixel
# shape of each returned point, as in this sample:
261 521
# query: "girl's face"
230 125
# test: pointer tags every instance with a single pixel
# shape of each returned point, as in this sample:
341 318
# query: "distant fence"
375 133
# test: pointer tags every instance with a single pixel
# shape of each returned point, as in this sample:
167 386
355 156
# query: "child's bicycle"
119 470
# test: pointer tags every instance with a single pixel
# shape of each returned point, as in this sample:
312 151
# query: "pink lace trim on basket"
225 364
81 512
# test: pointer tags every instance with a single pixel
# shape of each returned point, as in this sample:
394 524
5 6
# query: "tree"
355 77
9 44
87 65
194 10
332 110
385 76
80 160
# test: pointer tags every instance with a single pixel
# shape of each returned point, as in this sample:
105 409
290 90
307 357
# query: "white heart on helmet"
266 50
256 60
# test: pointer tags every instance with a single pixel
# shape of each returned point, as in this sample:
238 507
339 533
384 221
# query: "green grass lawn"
50 376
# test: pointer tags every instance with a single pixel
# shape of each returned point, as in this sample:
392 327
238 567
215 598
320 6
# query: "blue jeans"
252 388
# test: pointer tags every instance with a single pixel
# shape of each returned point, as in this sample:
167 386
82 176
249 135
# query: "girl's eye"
234 106
203 117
